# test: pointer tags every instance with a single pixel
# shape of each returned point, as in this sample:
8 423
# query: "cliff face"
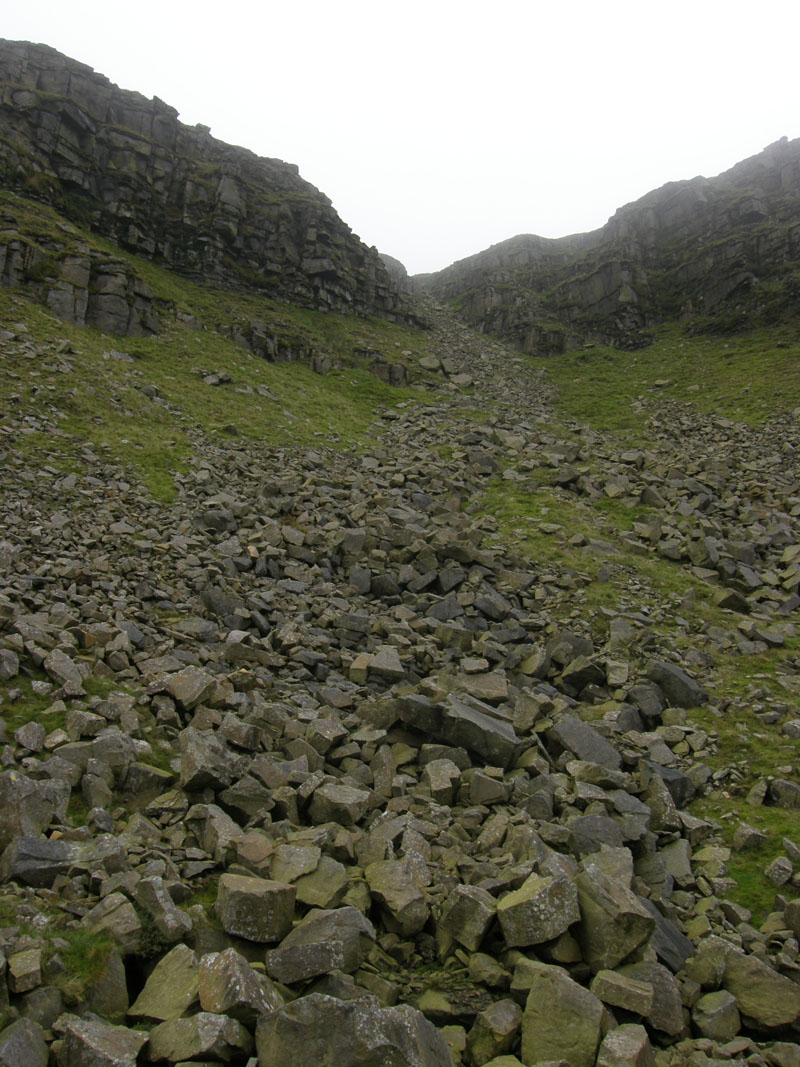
126 167
717 252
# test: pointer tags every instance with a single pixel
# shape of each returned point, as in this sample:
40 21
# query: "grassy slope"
91 394
749 378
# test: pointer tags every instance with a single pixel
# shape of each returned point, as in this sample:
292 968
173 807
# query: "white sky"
439 127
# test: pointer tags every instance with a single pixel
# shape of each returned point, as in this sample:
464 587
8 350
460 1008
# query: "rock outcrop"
714 252
124 166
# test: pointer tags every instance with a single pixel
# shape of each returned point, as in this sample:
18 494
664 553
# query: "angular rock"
584 742
666 1014
318 1029
172 923
255 908
25 808
620 991
343 933
392 883
228 985
614 923
716 1016
37 861
190 687
767 1000
340 803
627 1046
204 1036
680 689
540 910
92 1043
481 729
172 987
22 1044
467 914
116 917
494 1031
562 1020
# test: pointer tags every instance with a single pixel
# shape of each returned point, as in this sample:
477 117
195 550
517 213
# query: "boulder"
766 1000
562 1020
93 1043
255 908
171 989
319 1029
22 1043
228 985
614 923
205 1036
393 885
466 915
541 909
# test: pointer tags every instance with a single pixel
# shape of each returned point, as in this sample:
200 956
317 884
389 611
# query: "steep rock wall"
126 167
717 251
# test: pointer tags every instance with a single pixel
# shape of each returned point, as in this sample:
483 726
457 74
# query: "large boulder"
767 1000
614 923
540 910
90 1042
171 989
255 908
328 1032
25 808
392 883
228 985
562 1020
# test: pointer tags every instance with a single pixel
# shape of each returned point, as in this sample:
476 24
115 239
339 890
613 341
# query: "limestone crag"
127 168
365 785
713 252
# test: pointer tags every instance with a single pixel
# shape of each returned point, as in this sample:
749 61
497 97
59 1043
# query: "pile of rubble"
337 782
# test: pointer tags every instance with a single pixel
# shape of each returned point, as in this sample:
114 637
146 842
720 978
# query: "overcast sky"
439 127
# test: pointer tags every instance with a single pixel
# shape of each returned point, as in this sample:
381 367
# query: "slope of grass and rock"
455 719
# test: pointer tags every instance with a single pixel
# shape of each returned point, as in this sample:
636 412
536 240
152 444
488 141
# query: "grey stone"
93 1043
614 923
540 910
22 1044
680 689
322 1030
562 1020
255 908
172 987
228 985
204 1036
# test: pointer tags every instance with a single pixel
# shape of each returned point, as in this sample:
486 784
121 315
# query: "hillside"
376 694
127 168
717 254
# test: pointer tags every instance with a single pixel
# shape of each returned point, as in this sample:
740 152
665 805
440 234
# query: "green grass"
739 739
89 395
748 377
83 954
752 889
